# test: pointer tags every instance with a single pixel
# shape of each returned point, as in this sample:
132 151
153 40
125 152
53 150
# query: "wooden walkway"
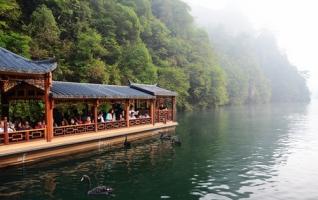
7 150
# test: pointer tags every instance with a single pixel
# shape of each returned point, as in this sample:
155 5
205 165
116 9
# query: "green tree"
176 80
44 32
136 64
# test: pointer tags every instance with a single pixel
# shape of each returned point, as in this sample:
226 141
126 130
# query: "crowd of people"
114 114
21 125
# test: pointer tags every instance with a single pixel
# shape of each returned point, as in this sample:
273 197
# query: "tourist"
19 126
132 116
72 122
109 116
55 124
26 126
43 123
131 110
100 118
64 122
118 110
78 120
10 127
39 125
162 107
146 115
121 117
88 120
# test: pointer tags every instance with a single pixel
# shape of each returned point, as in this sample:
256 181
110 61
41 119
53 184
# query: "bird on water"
127 144
99 190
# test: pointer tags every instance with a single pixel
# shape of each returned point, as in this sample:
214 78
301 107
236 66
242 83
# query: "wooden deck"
15 154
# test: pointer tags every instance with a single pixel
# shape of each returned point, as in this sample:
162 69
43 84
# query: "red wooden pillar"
174 109
49 105
157 110
95 108
127 104
152 112
5 131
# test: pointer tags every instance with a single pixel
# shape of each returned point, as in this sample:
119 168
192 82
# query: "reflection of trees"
62 176
49 184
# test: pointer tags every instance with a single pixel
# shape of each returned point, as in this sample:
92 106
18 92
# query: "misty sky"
293 22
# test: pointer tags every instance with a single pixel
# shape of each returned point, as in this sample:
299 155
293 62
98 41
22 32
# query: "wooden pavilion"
24 79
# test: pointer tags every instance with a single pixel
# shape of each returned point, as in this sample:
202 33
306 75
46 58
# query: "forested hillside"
147 41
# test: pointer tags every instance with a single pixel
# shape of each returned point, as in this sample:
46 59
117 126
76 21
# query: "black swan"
126 143
176 140
99 190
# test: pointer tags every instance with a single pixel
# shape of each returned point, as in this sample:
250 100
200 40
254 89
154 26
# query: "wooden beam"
5 131
152 112
20 76
127 104
49 105
95 108
174 109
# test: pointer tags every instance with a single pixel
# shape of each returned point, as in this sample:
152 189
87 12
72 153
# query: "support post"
49 105
152 112
157 110
27 136
95 108
5 131
174 109
127 104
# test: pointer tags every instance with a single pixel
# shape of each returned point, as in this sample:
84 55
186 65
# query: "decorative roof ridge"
141 84
89 83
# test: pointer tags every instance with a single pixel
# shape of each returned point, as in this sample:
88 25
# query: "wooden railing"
34 134
111 125
73 129
23 136
163 116
139 121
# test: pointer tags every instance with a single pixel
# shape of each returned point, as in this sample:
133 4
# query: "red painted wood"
49 105
96 114
5 131
127 104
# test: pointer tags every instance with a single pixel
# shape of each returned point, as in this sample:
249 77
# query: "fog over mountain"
289 22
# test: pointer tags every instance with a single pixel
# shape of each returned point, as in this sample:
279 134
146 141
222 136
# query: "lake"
238 152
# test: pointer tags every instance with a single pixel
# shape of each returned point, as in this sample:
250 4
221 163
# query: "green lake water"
258 152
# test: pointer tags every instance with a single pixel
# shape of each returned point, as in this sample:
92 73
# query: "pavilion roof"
71 90
13 63
152 89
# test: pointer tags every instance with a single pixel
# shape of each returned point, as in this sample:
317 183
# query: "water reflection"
259 152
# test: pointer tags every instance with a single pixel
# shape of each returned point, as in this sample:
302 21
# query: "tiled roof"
11 62
70 90
153 90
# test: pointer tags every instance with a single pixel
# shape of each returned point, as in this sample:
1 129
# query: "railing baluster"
5 132
27 136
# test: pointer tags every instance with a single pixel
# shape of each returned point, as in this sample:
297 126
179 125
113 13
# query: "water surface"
256 152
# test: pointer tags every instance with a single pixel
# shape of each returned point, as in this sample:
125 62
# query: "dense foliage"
148 41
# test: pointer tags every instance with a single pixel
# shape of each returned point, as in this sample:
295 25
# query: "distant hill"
257 70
